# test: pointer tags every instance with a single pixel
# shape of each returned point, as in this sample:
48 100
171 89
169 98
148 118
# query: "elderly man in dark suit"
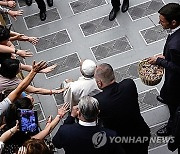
169 18
118 103
85 137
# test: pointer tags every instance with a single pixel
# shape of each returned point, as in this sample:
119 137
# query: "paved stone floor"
76 30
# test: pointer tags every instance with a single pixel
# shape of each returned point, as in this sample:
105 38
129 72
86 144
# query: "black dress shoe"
50 3
160 99
164 131
125 6
112 14
28 2
42 16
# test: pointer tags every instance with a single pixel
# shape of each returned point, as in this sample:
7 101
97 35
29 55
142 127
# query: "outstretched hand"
63 110
11 4
48 69
36 67
22 150
13 14
24 53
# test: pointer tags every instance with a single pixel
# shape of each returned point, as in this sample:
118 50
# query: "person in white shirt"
85 85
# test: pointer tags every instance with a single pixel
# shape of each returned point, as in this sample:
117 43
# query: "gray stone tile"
98 25
129 71
153 34
53 40
59 99
84 5
145 9
64 64
147 100
40 112
34 20
111 48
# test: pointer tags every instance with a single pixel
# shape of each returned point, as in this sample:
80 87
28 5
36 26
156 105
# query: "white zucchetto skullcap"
88 67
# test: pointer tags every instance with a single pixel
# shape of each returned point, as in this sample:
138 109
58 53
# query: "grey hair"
89 108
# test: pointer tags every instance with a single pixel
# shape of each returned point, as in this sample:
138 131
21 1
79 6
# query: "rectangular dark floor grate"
153 34
64 64
38 108
145 9
147 100
52 40
34 20
128 71
111 48
98 25
84 5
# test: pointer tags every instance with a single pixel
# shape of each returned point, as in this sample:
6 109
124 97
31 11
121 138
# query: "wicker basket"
150 74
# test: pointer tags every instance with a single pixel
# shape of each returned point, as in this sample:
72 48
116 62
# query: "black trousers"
137 148
41 5
172 110
116 4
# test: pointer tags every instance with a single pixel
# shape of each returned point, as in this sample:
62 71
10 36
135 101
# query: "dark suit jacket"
171 63
77 139
119 109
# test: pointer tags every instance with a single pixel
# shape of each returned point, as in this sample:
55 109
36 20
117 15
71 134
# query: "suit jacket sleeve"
170 65
58 139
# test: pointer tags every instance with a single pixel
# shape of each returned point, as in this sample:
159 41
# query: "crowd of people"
98 108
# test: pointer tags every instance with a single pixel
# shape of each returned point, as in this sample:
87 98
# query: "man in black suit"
85 137
42 7
169 18
116 7
118 103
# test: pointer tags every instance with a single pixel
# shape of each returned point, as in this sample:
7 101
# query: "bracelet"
51 92
12 133
16 51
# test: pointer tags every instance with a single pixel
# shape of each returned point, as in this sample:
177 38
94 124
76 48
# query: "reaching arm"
9 133
32 89
22 53
46 70
11 4
61 112
22 37
23 85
